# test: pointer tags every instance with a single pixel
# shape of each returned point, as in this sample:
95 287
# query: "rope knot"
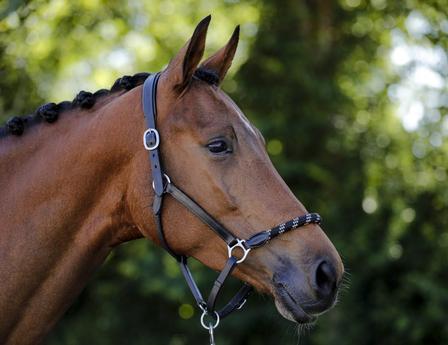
15 125
84 99
49 112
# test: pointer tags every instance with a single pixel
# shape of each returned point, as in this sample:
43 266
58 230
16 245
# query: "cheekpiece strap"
151 137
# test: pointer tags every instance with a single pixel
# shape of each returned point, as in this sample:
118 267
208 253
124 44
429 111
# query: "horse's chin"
293 311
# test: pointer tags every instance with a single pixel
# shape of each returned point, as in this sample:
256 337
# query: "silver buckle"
239 244
156 134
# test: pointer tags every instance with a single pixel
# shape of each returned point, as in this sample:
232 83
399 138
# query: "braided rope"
294 223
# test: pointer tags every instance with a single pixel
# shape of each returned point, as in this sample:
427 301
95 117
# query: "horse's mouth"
290 309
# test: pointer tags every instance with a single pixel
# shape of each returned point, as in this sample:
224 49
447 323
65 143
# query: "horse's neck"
62 209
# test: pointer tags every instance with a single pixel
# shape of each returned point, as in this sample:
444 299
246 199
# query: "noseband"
163 185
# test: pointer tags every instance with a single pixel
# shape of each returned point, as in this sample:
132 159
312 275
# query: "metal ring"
203 321
167 178
156 134
239 244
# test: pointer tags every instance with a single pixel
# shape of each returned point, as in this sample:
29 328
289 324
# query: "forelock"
207 75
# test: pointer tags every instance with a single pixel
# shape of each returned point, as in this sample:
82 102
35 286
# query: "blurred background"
352 98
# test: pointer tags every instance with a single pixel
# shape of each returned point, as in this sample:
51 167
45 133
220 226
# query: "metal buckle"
156 135
239 244
203 306
210 326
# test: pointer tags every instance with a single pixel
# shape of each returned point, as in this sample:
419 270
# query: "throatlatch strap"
162 239
191 282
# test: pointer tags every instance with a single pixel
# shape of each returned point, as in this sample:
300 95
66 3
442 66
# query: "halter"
163 185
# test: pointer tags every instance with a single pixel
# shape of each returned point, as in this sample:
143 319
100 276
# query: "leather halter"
162 185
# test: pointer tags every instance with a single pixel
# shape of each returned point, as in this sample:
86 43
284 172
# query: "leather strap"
150 111
199 212
226 271
191 282
237 301
162 238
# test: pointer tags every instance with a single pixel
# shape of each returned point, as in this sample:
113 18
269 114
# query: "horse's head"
211 151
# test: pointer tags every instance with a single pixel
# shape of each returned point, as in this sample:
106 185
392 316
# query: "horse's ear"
220 61
181 68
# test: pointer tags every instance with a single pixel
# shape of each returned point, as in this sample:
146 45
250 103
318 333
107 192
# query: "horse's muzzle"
302 295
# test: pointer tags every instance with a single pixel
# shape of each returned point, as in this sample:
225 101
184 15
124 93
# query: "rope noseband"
163 185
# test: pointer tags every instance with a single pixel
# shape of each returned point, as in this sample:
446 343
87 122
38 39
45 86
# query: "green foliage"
332 106
328 84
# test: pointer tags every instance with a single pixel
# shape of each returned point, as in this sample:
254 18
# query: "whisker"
298 335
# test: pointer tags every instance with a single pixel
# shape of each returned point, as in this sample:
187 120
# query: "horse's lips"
290 309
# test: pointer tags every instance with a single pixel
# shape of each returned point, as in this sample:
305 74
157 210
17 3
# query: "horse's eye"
218 146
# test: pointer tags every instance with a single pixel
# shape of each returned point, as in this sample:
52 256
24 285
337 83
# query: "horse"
75 183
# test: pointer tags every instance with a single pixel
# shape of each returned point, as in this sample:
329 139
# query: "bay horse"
75 183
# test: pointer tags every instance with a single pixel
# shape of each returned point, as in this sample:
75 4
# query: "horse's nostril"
325 279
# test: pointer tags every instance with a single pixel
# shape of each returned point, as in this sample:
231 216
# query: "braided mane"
85 100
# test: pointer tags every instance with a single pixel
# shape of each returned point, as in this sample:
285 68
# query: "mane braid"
85 100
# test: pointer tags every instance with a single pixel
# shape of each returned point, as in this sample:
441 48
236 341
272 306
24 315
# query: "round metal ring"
166 177
239 244
208 326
